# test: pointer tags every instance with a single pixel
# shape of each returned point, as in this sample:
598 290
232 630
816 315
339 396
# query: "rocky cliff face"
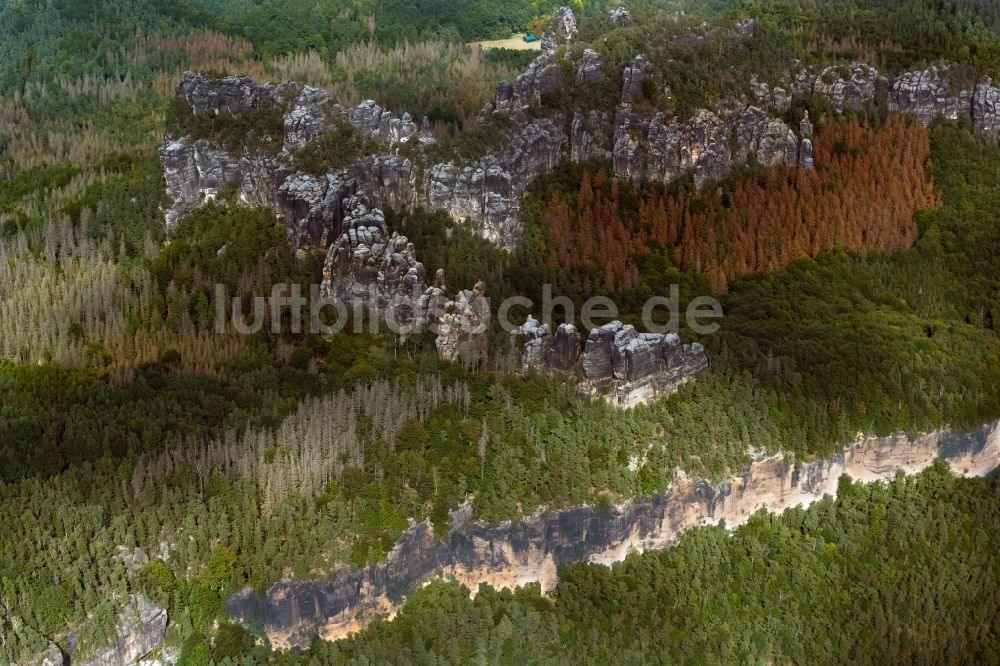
709 144
619 363
629 368
370 270
512 554
140 629
927 94
486 191
986 109
847 88
641 144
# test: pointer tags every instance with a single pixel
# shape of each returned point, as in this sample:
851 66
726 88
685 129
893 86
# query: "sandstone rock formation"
708 144
632 78
926 94
986 109
140 629
629 368
486 191
536 339
232 95
373 273
562 27
771 98
619 363
292 612
313 113
589 69
641 144
847 88
461 326
196 171
564 350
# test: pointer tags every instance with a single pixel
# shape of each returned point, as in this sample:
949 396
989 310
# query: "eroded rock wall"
293 612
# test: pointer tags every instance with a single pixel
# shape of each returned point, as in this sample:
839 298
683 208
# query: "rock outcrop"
313 114
589 69
619 16
197 170
926 94
709 144
632 78
461 324
629 368
846 87
372 272
771 98
232 95
536 340
642 142
561 28
564 350
293 612
986 109
618 363
140 629
486 191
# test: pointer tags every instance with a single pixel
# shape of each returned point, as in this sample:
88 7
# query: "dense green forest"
843 343
121 413
100 475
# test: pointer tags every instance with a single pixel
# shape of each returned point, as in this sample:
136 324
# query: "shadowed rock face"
564 350
511 554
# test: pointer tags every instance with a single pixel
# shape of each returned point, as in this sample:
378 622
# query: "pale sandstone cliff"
293 612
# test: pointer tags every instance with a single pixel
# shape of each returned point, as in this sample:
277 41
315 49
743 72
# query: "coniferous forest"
861 297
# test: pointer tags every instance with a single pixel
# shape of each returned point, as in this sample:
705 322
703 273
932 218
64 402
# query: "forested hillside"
863 198
861 296
901 572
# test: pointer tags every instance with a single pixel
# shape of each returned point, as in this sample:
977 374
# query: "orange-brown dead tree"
862 197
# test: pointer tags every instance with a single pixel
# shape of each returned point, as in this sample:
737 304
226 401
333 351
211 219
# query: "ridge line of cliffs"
293 612
395 170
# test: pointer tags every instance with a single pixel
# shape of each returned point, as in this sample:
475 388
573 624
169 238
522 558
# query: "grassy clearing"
516 43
